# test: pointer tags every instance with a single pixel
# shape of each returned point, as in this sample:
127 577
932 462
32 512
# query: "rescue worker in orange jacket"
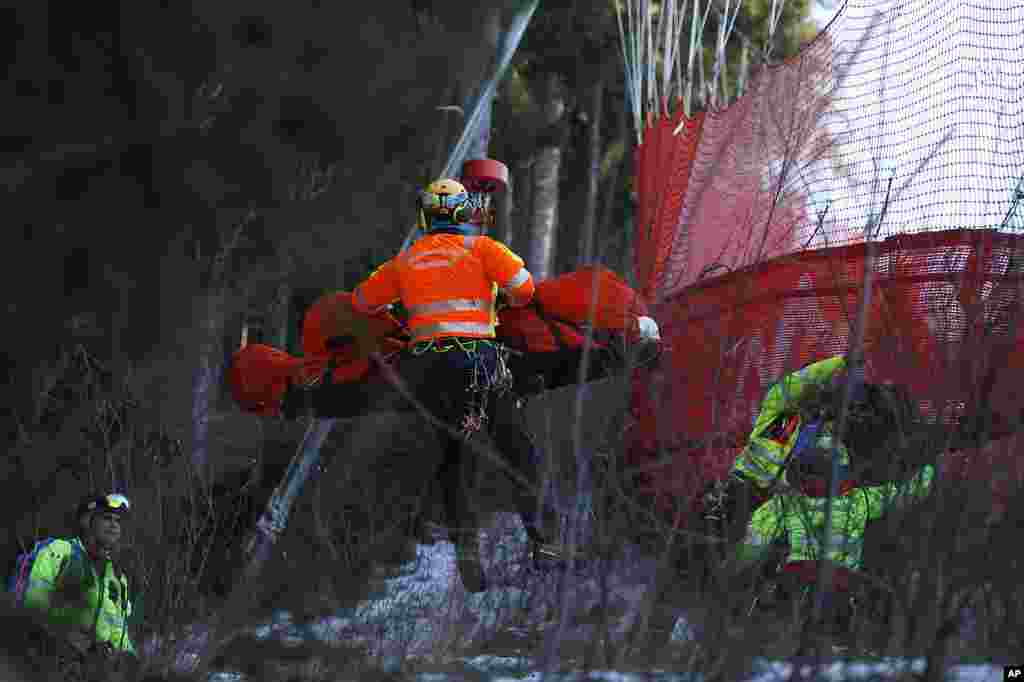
448 282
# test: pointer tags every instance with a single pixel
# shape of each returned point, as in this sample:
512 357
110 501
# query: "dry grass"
348 535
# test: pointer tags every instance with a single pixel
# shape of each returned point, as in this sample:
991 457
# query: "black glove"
903 455
721 497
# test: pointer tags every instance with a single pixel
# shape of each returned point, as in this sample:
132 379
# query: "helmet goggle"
114 502
442 204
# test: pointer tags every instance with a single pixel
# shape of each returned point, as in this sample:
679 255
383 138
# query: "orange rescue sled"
333 333
563 305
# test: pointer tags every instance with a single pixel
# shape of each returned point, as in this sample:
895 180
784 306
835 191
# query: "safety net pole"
484 97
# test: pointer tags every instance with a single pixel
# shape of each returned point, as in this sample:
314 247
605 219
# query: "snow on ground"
495 669
498 669
773 672
425 609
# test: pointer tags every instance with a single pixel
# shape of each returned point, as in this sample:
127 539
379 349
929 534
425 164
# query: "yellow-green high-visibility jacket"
64 585
800 519
778 425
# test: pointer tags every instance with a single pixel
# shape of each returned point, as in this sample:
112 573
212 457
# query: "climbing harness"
446 344
483 384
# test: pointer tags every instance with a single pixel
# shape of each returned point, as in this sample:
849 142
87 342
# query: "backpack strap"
806 438
18 583
19 577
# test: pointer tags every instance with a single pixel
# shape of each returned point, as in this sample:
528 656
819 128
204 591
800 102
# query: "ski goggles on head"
114 502
430 201
118 501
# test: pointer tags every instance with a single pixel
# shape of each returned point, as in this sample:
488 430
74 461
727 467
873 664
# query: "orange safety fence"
942 320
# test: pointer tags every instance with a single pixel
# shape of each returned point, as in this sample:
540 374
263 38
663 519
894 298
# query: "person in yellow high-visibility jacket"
75 585
781 423
814 526
786 424
799 415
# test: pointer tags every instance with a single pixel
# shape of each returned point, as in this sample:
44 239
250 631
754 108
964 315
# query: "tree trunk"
481 141
544 221
476 64
547 165
518 229
449 125
612 195
206 383
207 378
506 202
490 26
588 225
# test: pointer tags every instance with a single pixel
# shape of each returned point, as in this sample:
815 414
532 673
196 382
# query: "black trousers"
461 383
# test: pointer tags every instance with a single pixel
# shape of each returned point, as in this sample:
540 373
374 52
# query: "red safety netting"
919 94
662 174
721 193
943 316
901 121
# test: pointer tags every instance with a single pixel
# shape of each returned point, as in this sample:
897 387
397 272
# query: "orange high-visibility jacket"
448 283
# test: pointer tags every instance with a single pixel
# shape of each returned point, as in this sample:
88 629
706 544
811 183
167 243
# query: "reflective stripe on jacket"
777 428
448 283
71 594
800 520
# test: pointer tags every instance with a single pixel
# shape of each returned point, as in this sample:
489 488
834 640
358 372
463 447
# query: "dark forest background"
176 170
